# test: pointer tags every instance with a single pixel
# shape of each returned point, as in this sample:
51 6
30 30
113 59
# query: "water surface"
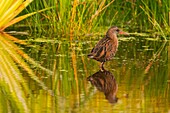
140 70
141 87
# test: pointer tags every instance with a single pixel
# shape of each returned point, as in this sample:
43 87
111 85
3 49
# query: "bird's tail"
90 55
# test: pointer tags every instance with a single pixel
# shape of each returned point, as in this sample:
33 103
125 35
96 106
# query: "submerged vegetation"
54 58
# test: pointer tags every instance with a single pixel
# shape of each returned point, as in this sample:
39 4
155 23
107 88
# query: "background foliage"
78 17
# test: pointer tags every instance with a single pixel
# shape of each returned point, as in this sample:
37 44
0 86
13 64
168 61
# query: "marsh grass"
70 17
75 18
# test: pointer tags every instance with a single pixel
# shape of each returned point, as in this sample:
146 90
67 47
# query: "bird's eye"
117 30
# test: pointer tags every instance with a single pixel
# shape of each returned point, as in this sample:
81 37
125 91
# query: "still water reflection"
104 81
138 91
146 92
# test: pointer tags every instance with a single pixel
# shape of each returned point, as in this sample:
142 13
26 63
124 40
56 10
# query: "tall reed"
82 17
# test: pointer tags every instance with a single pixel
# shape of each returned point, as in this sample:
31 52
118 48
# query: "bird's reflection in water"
104 81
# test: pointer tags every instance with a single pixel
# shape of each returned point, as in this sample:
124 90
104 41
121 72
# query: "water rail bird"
106 48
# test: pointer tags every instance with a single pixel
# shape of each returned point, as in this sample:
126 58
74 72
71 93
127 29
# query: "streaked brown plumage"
106 48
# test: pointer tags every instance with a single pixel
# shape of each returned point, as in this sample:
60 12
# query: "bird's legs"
101 66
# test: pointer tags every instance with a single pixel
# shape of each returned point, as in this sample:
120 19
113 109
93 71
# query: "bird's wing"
111 50
99 45
100 49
